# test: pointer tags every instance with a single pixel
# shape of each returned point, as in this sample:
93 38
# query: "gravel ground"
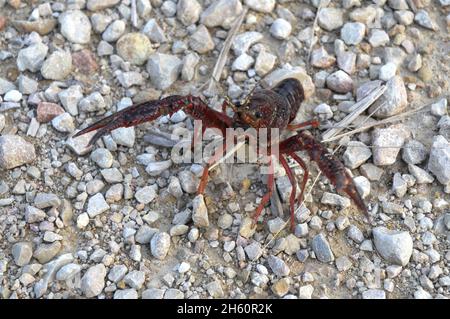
121 219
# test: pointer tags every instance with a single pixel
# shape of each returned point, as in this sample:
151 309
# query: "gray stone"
169 8
31 58
57 66
135 279
22 253
305 292
242 42
156 168
45 252
92 103
159 245
93 281
423 19
50 269
356 154
340 82
399 186
265 62
201 40
153 293
70 97
242 62
378 38
278 266
364 15
100 22
114 31
387 71
34 215
124 136
439 108
188 181
280 29
414 152
221 13
330 18
343 263
102 157
117 273
154 32
404 17
125 294
355 234
172 293
374 294
6 86
362 185
199 212
97 205
15 151
335 200
64 123
44 200
394 246
253 251
27 85
104 48
188 11
190 62
347 61
97 5
163 69
353 33
145 234
387 143
145 194
265 6
75 26
439 161
215 289
322 248
421 175
68 271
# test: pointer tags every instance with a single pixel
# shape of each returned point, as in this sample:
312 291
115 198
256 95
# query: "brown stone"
2 22
42 26
46 111
84 61
15 3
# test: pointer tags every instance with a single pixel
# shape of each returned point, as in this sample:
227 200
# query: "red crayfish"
262 108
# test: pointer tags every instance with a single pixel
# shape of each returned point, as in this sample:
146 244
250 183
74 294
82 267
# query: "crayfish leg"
266 197
293 181
305 176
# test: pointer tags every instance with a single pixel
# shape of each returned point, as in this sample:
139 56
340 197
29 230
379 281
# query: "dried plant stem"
359 108
221 60
311 41
134 14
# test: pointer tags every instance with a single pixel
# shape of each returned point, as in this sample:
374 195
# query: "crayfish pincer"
262 108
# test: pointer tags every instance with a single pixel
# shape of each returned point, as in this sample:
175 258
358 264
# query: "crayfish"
262 108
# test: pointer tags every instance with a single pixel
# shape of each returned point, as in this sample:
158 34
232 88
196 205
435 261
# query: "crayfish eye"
258 115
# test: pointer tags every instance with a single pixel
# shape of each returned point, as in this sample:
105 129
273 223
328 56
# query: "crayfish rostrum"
262 108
